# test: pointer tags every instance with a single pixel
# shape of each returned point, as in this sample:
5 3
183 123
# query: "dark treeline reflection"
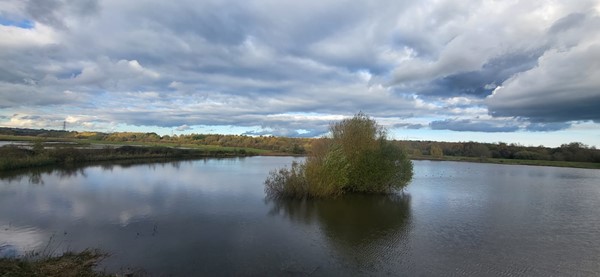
35 175
362 228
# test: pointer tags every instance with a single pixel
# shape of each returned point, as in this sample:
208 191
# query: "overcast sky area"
523 72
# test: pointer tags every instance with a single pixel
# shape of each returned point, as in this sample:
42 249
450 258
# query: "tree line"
270 143
571 152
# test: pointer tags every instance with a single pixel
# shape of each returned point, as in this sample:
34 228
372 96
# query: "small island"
355 158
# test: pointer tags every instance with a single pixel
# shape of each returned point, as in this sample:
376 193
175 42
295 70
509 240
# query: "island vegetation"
355 158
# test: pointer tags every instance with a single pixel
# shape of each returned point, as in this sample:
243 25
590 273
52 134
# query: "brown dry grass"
67 265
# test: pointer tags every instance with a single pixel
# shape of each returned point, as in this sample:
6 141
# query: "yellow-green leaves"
355 158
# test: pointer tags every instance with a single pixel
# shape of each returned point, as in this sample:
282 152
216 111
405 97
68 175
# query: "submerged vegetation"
356 157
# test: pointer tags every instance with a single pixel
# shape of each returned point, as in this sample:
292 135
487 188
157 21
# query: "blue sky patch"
23 23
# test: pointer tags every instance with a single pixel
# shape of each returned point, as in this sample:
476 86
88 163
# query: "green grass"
547 163
90 142
510 161
33 139
210 148
12 158
40 161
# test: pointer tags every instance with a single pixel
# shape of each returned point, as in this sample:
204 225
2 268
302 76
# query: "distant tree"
527 155
473 149
38 146
436 151
502 150
198 137
297 149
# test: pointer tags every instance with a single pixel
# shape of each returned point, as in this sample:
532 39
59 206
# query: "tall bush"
355 157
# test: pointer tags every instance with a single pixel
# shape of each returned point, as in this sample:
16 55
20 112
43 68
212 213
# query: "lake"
210 217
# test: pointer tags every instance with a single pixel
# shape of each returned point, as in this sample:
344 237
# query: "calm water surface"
209 217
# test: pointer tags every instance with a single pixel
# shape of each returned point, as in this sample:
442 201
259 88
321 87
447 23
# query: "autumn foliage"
355 157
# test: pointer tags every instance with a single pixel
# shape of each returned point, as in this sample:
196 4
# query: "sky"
525 72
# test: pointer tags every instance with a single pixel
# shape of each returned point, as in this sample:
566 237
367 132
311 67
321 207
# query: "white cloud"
270 64
133 66
12 37
183 127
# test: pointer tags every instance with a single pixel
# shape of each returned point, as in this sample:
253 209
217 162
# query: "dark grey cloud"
568 22
467 125
565 85
54 12
23 96
547 127
482 82
287 133
550 110
45 11
218 22
409 126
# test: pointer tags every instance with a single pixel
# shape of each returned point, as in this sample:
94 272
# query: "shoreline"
19 158
509 161
82 263
174 152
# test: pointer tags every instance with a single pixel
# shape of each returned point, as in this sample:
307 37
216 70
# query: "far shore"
65 151
34 156
510 161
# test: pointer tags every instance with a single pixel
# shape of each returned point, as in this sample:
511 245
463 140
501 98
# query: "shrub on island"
356 157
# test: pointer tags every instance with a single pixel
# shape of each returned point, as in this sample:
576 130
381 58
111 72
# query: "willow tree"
355 157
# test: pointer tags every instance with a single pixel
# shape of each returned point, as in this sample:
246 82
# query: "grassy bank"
68 264
31 138
209 151
510 161
13 157
102 143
